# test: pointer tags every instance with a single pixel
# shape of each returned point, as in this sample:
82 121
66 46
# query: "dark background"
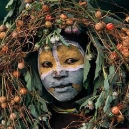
116 6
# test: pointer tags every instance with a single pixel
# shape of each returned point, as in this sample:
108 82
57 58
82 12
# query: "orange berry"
12 102
119 46
3 99
4 105
63 16
13 116
9 127
82 3
98 14
125 52
113 56
2 35
4 49
16 73
21 65
115 110
23 91
19 23
69 22
120 118
17 99
99 26
3 28
48 24
28 1
14 34
45 8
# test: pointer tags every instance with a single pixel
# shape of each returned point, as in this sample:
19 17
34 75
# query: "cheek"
76 76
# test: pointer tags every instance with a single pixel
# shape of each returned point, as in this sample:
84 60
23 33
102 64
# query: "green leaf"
98 62
97 84
100 100
33 110
28 79
88 98
107 103
111 72
10 3
86 68
10 13
106 84
63 41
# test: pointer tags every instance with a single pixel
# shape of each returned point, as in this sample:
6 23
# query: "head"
61 70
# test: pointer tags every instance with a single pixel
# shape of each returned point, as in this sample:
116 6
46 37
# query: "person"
61 72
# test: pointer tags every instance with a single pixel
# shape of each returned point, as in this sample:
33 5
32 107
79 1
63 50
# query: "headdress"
37 25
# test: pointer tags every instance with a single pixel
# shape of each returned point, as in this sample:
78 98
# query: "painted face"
61 70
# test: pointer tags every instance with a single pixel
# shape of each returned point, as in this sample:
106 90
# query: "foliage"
33 28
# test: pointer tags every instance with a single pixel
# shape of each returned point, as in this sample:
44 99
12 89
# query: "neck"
71 103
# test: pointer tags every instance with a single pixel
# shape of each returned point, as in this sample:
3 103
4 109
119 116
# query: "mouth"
61 88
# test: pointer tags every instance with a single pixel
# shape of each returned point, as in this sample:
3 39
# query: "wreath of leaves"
18 42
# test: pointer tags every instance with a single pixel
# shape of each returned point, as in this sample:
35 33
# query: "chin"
64 97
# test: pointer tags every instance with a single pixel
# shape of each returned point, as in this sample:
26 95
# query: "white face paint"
61 70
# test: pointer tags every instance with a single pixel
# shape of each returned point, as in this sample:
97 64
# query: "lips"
62 86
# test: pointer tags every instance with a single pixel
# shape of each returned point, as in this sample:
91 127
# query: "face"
61 71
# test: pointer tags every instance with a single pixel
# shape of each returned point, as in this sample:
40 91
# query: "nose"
60 74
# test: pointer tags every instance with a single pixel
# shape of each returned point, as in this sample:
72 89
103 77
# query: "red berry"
48 18
110 26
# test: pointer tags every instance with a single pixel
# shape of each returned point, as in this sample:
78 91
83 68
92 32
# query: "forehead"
62 50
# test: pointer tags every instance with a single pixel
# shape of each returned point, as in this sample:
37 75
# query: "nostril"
60 74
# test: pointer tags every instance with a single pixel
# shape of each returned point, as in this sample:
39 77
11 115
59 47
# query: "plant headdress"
39 24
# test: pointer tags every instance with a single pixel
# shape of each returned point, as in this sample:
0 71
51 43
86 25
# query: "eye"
71 61
47 64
